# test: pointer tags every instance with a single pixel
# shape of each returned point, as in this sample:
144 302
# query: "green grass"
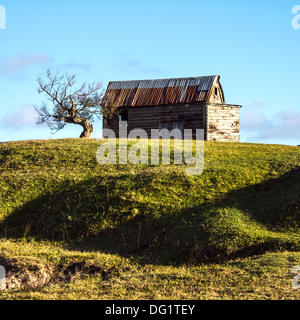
230 233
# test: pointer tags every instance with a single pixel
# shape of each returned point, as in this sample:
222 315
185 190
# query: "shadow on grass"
99 214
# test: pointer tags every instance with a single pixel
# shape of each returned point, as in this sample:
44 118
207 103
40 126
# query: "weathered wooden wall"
147 118
223 122
217 95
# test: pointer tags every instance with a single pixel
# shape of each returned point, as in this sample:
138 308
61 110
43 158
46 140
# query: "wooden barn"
184 103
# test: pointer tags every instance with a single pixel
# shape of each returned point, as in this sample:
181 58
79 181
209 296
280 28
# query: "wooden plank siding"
223 122
217 95
147 118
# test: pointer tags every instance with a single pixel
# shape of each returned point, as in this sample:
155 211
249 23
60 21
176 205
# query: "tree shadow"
98 214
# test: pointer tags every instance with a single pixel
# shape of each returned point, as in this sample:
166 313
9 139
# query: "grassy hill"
83 226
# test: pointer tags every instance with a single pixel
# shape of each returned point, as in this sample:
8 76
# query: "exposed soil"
32 273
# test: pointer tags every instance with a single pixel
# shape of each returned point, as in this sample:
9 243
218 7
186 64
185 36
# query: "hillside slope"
246 201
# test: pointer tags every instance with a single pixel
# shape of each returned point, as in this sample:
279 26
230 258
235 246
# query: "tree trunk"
87 129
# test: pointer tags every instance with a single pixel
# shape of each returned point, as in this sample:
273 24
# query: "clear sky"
250 44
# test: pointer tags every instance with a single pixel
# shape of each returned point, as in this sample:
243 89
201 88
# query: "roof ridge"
164 79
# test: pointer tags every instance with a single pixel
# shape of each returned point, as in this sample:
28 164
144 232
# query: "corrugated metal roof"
159 92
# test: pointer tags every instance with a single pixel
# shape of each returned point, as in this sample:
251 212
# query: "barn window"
216 91
171 126
123 115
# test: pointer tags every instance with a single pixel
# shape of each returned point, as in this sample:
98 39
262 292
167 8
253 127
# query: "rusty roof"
160 91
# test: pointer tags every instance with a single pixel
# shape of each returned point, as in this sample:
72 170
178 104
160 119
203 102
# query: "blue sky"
250 44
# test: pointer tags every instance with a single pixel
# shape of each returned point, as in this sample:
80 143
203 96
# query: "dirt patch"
84 268
29 273
32 273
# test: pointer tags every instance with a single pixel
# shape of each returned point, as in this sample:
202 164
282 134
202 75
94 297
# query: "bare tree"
70 105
